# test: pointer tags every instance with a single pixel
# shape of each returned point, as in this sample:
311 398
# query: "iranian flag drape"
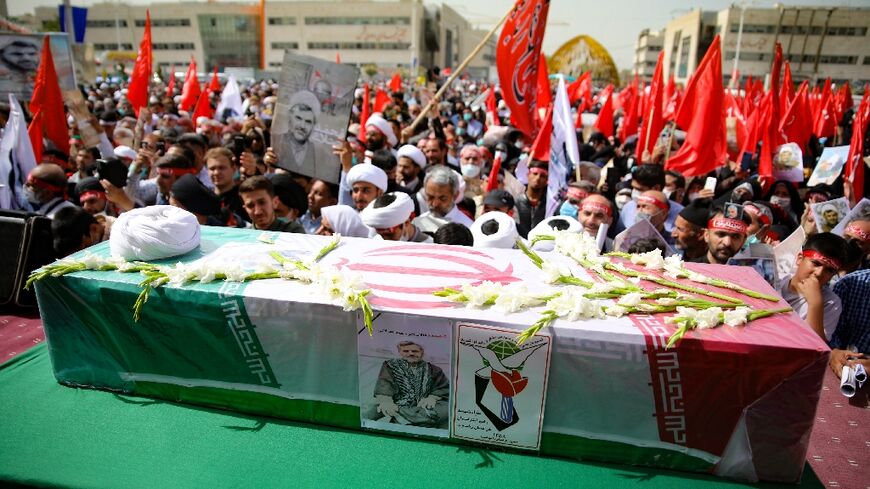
517 58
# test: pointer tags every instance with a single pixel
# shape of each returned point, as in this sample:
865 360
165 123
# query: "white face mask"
621 200
668 192
635 194
784 202
470 171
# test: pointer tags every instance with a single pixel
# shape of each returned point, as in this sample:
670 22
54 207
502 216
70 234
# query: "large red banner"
517 52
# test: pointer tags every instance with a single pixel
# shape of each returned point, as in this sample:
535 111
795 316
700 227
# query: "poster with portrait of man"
830 166
828 214
404 375
19 62
312 113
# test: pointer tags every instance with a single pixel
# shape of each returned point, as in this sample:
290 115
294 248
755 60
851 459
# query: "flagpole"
424 113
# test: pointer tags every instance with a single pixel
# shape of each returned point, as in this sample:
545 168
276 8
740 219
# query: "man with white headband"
724 236
807 291
365 183
379 134
412 162
494 230
391 216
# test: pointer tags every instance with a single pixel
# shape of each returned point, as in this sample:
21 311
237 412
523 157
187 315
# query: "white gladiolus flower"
234 273
687 313
673 266
616 311
666 301
737 316
265 266
552 272
604 287
92 261
630 300
514 297
709 318
652 260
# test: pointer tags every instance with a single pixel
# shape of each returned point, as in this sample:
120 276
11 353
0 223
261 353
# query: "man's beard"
374 144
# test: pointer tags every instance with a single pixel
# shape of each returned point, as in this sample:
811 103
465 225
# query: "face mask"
750 240
31 197
693 196
641 216
568 209
460 131
621 200
668 192
784 202
635 193
470 171
467 117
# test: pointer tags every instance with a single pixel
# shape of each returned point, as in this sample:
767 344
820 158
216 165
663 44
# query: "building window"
825 59
754 28
285 45
164 22
106 23
282 20
357 21
866 60
275 64
171 46
847 31
112 46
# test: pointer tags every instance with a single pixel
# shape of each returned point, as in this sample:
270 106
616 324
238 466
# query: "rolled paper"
602 235
848 385
860 374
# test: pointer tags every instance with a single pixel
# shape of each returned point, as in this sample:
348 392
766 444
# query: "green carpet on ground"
56 436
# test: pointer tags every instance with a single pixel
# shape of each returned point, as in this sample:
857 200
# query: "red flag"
753 134
775 72
631 117
701 115
517 51
653 123
46 105
797 122
671 101
580 88
767 128
853 172
396 83
338 57
604 123
170 88
190 91
541 147
543 96
214 85
492 107
381 100
492 181
848 103
137 90
786 94
203 106
732 111
825 124
364 114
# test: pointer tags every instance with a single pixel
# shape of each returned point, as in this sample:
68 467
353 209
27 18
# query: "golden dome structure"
581 54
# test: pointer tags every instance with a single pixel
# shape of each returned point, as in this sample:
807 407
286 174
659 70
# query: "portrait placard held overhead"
312 114
19 61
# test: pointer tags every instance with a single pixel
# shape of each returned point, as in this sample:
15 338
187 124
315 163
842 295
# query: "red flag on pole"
853 172
543 96
170 88
381 100
492 107
797 121
190 91
214 85
517 51
203 106
631 118
364 114
396 83
701 115
541 147
604 123
653 122
46 105
768 129
786 94
137 90
775 72
824 124
732 110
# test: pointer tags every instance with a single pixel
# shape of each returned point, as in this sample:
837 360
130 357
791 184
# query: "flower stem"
547 318
536 258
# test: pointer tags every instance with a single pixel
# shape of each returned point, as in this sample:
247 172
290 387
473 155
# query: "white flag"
16 159
231 98
564 153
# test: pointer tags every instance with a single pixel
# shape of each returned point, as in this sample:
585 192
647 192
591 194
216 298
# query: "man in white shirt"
441 189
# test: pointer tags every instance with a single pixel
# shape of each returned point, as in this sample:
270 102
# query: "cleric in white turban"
366 182
494 230
343 220
411 163
377 123
391 215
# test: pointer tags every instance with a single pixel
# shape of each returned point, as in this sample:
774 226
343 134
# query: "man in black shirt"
258 197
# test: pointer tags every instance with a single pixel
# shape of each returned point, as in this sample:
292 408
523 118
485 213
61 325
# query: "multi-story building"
818 42
646 53
387 34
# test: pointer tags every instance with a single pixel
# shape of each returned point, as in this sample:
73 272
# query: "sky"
614 23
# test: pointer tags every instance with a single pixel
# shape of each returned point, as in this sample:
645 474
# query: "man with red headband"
169 169
654 206
92 196
45 189
858 231
807 291
724 236
594 211
532 204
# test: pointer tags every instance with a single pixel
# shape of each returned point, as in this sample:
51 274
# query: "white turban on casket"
550 226
345 221
366 172
504 237
389 216
154 233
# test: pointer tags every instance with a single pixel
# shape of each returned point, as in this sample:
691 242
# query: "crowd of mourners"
436 183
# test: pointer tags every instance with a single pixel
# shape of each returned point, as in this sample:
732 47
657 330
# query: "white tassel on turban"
345 221
504 236
389 216
154 233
